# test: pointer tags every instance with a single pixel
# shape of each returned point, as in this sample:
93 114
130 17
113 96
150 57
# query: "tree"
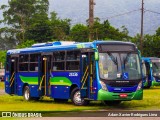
158 32
27 43
98 30
39 31
20 14
7 39
79 33
151 46
3 57
60 27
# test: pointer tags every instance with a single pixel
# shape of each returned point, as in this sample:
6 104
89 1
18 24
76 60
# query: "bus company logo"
6 114
23 114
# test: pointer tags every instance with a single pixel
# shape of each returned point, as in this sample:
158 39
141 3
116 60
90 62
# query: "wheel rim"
77 98
26 94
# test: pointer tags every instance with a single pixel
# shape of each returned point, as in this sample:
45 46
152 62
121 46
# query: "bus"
108 71
152 66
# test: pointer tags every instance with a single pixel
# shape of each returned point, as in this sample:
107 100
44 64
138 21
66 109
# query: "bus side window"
73 60
58 61
23 62
34 62
7 63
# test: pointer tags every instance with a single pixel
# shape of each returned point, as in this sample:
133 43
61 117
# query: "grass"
16 103
1 85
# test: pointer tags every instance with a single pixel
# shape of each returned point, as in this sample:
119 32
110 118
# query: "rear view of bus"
120 72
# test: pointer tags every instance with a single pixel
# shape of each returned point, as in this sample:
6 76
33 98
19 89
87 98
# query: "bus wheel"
26 93
112 103
76 98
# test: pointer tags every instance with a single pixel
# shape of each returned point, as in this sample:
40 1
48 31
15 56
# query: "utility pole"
91 18
141 39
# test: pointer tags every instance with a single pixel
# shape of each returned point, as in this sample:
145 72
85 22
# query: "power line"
122 14
152 11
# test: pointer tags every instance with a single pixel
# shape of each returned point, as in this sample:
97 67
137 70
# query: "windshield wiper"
113 58
126 59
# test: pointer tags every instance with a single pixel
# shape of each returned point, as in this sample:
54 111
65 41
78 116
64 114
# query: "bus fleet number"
73 74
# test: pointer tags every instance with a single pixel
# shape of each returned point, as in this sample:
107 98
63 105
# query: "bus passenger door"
87 75
44 84
148 75
11 82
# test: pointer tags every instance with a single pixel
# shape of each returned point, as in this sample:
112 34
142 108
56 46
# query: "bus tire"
26 93
112 103
76 98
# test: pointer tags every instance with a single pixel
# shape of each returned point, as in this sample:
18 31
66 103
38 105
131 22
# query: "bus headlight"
103 85
155 74
139 85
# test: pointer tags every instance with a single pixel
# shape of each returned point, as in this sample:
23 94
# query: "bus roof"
60 46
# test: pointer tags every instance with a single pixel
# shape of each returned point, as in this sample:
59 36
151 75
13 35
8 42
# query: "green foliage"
79 33
99 31
151 44
27 43
60 27
2 57
20 15
105 31
39 32
158 32
28 23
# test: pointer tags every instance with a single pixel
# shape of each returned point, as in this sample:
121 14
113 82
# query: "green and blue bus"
152 68
108 71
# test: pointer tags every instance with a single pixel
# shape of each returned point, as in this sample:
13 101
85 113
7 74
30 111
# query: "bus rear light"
123 95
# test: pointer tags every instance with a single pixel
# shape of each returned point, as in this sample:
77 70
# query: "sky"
77 11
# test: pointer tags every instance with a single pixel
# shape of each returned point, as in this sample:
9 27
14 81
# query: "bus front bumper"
155 83
105 95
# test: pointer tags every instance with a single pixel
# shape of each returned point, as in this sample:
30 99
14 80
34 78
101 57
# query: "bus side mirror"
151 65
96 56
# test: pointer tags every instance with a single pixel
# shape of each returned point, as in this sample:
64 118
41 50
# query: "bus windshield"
113 66
156 68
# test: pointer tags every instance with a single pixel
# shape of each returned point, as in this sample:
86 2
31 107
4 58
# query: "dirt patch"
2 92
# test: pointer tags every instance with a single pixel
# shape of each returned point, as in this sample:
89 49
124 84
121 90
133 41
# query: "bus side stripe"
60 81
